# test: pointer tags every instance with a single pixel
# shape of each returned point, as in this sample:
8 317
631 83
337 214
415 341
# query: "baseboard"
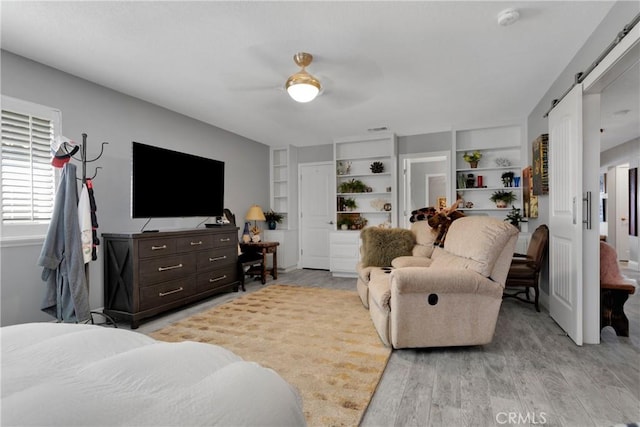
343 274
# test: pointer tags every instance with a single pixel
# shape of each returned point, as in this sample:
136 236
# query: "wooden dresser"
148 273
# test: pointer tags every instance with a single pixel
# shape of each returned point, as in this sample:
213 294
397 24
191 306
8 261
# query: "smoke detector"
508 17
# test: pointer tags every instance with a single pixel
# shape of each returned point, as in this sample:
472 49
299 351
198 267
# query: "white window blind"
27 179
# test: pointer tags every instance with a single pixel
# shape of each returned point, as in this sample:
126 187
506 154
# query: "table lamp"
255 214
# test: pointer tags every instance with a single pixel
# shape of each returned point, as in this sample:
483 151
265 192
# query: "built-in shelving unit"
284 186
502 153
372 189
375 198
284 200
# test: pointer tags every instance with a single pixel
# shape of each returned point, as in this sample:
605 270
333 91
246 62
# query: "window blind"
27 178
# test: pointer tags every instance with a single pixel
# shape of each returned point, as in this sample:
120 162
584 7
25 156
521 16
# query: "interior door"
565 214
316 214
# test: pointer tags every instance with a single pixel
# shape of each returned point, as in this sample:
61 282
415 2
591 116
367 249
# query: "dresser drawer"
226 239
216 258
194 243
156 247
156 270
216 278
164 293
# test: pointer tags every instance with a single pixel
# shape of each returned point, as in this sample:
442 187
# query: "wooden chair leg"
612 311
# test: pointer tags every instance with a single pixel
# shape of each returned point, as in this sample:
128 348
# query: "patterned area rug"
320 340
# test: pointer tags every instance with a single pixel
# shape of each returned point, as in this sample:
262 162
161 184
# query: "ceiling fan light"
302 87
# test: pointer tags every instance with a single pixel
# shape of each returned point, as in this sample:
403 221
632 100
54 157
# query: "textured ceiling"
414 67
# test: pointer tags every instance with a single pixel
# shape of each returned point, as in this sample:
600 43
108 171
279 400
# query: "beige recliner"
453 297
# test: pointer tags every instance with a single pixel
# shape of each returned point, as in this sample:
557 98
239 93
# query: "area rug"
320 340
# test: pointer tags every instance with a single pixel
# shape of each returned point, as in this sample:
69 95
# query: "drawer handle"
196 243
225 240
157 248
217 279
164 294
171 267
218 258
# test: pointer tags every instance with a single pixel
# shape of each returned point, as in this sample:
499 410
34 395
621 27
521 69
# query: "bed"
59 374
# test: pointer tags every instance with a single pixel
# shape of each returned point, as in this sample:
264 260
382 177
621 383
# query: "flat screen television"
167 184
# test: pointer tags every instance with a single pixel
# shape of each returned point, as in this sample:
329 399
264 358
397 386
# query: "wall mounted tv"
167 183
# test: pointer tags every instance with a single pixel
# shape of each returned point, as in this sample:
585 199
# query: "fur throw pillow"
381 245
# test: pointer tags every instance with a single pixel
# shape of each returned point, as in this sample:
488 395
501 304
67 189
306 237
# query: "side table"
264 248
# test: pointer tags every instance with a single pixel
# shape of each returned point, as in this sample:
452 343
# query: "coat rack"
84 161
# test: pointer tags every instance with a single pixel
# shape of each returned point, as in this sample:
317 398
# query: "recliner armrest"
441 280
410 261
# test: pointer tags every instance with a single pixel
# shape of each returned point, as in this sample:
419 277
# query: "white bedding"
58 374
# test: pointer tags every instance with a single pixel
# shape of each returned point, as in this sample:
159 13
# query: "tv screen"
167 183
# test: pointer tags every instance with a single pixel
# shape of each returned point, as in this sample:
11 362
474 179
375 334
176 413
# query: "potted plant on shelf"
273 218
514 217
344 224
350 204
472 158
502 198
377 167
352 186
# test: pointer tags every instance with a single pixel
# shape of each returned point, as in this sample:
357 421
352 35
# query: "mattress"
58 374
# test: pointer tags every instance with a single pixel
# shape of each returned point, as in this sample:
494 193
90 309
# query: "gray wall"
107 115
424 143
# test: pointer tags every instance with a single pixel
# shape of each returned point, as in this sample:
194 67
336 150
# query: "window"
27 179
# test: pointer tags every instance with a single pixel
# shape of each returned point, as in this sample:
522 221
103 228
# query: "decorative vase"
246 237
501 204
255 238
473 165
271 224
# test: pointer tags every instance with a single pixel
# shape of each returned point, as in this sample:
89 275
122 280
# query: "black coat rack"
83 160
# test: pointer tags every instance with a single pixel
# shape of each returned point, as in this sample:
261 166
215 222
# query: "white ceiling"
414 67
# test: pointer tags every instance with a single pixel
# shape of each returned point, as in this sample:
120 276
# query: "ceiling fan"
302 86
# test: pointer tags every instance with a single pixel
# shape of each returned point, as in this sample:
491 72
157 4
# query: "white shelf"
490 188
366 175
497 168
501 148
283 184
358 154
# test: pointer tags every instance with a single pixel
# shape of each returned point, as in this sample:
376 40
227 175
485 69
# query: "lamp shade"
303 87
255 214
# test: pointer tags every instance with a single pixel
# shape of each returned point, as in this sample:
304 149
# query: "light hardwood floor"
531 374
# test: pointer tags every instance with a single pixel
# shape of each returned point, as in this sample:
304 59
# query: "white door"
316 214
565 214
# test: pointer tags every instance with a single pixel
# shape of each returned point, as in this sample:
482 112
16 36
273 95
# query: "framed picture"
530 201
540 165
